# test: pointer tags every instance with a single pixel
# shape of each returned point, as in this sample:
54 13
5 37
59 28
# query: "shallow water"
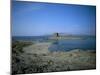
89 43
66 45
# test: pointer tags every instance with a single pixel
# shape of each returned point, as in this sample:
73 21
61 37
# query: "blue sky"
33 19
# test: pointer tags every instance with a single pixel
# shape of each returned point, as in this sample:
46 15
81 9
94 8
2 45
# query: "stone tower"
56 34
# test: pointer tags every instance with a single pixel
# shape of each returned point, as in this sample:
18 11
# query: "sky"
36 18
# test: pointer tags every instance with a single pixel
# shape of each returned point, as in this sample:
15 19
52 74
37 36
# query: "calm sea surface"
89 43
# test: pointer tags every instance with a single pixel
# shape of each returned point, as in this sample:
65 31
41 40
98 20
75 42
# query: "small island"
52 37
60 36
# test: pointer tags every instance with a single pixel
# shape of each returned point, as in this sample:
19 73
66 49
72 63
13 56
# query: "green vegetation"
35 58
31 63
17 46
17 50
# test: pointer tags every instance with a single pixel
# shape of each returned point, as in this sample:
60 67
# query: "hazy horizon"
37 18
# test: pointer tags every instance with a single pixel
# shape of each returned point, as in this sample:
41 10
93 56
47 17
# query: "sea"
88 43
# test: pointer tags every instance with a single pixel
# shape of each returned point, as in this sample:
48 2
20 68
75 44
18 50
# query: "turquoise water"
89 43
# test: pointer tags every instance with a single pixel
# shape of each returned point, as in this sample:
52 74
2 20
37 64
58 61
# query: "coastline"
37 58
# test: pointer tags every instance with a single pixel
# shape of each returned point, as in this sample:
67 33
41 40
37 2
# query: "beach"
36 58
52 37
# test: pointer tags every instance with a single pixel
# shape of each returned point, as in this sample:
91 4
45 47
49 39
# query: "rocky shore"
36 58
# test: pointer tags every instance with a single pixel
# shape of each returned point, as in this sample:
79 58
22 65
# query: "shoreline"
36 58
43 47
